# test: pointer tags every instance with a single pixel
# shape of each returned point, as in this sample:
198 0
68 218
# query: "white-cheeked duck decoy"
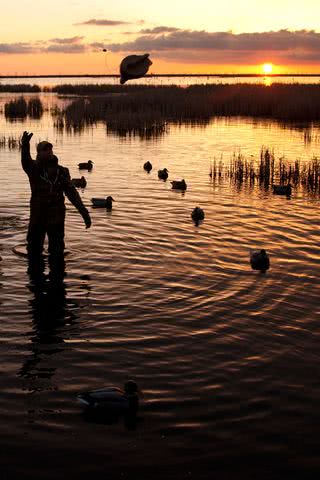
197 214
147 167
163 174
282 189
103 202
259 260
86 165
179 184
79 182
112 399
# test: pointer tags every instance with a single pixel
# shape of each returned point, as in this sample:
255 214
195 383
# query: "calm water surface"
228 359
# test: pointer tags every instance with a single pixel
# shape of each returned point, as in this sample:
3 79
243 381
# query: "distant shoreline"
173 75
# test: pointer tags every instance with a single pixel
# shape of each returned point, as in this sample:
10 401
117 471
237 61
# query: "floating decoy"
103 202
86 165
134 66
179 184
163 174
79 182
197 214
112 399
282 189
259 260
148 167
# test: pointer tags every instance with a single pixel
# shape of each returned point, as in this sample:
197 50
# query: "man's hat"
44 146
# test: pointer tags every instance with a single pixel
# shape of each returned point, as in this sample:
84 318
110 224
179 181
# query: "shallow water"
227 358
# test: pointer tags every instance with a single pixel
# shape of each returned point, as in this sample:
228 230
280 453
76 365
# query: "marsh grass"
19 108
19 88
268 171
149 110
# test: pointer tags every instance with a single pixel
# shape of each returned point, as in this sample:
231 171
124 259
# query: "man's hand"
87 219
26 137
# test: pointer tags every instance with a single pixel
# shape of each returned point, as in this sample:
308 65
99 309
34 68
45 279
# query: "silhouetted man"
49 182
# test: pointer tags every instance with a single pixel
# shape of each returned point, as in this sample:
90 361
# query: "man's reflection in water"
51 313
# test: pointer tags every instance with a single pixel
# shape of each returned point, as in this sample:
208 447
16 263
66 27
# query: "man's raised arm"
26 160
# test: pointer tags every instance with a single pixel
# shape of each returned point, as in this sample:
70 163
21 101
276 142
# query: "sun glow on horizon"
267 68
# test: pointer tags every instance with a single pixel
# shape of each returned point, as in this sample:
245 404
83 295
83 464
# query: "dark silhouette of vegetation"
17 108
19 88
10 142
149 110
20 108
35 108
268 171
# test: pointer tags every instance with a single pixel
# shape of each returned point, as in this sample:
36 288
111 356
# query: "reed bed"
267 171
149 110
19 88
20 108
280 101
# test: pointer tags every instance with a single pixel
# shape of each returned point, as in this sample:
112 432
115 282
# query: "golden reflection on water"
267 81
150 296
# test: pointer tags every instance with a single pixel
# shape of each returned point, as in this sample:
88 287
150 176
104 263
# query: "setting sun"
267 68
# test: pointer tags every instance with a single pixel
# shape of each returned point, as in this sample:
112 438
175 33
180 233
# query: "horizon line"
225 75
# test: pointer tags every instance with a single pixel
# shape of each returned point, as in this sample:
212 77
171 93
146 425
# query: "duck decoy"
163 174
148 167
134 66
112 399
86 165
79 182
197 214
259 260
282 189
179 184
103 202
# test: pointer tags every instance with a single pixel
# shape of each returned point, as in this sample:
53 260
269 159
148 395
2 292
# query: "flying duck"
134 66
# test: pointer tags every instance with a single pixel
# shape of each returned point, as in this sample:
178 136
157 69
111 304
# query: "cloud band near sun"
191 46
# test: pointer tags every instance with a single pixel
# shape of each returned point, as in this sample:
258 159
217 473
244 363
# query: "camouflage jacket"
47 193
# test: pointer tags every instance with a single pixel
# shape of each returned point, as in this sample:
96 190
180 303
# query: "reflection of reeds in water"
10 142
35 108
20 108
267 171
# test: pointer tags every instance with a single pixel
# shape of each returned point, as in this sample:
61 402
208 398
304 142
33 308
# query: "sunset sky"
231 36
